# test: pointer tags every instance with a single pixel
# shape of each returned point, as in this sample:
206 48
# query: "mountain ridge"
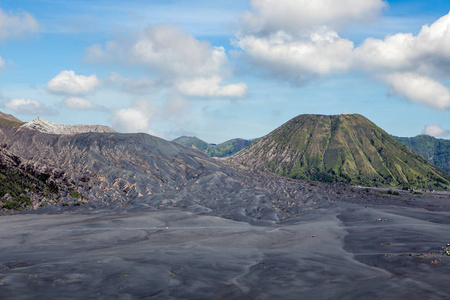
346 148
53 128
224 149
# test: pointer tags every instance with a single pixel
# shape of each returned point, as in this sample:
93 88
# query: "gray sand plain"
343 251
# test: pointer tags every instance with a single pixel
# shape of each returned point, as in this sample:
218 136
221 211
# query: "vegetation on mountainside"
435 150
16 185
343 148
220 150
9 120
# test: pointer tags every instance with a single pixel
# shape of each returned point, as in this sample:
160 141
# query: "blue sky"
225 69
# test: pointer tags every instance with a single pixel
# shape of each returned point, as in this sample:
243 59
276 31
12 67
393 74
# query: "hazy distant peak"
50 127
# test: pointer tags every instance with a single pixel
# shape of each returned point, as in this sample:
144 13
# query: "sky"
220 69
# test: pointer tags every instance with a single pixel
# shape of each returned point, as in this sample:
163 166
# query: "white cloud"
2 63
290 16
16 25
436 130
427 52
67 82
79 103
297 56
175 57
394 53
173 52
419 89
210 87
297 40
26 106
415 67
136 118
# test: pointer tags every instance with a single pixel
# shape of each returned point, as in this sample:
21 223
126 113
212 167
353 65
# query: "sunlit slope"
9 120
345 148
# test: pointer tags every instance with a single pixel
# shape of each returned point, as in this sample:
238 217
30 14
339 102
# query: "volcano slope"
139 171
344 148
157 220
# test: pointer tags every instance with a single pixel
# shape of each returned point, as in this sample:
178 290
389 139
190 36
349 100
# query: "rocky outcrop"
52 128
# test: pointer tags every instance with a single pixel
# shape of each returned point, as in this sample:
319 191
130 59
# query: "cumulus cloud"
26 106
296 39
209 87
79 103
414 67
136 118
427 52
176 57
293 15
173 52
68 83
419 89
316 52
436 130
15 25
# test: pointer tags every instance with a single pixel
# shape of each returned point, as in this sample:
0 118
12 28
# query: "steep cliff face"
346 148
50 127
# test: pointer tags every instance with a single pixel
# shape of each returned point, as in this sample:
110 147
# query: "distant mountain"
344 148
50 127
220 150
435 150
9 120
193 141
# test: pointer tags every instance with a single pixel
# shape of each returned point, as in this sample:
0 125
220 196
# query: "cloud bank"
298 40
176 58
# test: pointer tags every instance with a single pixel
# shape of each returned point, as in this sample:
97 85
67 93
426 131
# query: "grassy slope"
435 150
9 120
346 148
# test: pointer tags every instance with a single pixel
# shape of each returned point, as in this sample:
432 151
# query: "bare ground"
341 250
